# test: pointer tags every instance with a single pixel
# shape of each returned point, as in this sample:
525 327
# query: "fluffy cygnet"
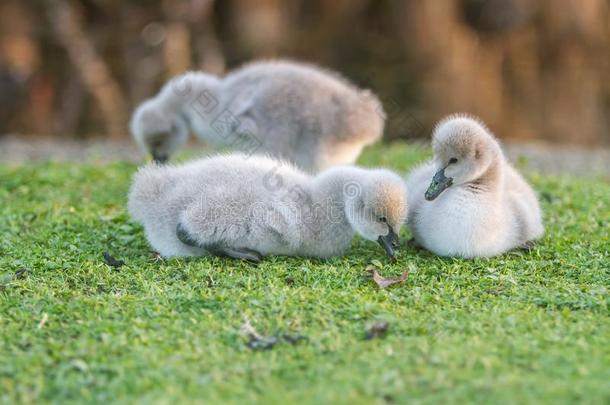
469 201
247 207
301 113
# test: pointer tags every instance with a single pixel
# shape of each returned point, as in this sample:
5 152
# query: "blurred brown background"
532 69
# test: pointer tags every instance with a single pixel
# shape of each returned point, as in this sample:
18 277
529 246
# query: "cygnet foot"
528 246
412 243
185 237
218 250
241 254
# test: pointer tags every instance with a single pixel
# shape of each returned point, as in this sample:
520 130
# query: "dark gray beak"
395 238
159 158
389 242
438 185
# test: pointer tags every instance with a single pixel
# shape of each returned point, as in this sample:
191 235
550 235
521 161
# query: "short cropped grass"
521 328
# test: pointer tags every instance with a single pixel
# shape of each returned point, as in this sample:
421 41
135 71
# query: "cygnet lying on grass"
247 207
469 201
309 116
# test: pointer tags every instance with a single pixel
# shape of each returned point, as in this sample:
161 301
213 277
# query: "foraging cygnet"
469 201
306 115
247 207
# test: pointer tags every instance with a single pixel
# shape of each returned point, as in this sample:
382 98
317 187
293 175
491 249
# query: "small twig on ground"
156 256
45 318
256 341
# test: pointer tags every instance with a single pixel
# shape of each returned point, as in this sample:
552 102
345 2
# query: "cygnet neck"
197 90
337 184
491 178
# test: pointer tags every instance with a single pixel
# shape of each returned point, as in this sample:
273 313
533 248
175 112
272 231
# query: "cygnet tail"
367 117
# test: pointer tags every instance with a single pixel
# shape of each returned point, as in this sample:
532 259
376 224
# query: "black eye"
452 161
383 219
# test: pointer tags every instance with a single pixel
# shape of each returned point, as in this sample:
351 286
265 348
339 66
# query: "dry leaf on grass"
21 273
384 282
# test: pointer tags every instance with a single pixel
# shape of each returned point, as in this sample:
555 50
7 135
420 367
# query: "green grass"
523 327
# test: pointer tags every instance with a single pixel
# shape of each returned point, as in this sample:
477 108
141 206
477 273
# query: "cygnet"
469 201
246 207
309 116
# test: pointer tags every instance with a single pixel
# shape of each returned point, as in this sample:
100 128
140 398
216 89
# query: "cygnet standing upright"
469 201
245 208
301 113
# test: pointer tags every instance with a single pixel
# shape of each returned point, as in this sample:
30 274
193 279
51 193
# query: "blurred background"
532 69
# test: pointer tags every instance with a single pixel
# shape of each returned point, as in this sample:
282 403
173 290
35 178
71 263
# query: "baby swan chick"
310 116
469 201
248 207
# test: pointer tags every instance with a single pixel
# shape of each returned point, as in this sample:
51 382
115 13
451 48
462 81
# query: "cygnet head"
463 150
157 134
376 207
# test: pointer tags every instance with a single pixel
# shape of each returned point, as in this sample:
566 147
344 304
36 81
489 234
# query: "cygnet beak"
438 185
159 157
395 238
389 242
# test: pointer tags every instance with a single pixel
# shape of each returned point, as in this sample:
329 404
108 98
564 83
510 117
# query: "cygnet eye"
383 219
452 161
